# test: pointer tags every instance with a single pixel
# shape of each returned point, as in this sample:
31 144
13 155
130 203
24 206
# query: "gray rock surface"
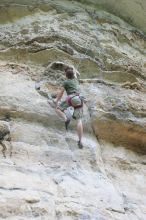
131 11
44 175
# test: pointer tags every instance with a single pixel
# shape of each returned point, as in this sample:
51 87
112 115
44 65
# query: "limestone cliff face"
44 174
132 11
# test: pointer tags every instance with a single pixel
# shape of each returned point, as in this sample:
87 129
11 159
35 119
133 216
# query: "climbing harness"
72 103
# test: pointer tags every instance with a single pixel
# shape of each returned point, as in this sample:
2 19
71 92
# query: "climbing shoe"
67 123
80 145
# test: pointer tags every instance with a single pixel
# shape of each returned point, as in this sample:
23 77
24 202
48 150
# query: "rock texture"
131 11
44 175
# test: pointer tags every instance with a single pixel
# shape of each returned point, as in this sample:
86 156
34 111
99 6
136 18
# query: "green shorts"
78 112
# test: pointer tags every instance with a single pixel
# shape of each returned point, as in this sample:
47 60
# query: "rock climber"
72 89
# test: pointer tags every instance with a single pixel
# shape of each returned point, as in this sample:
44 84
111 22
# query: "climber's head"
69 73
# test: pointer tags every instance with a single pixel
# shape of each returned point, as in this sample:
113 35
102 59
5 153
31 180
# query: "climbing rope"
88 45
89 42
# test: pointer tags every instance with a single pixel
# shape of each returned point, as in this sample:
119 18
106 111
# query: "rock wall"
44 175
131 11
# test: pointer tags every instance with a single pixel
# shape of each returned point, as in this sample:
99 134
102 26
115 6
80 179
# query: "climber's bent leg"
61 114
60 111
